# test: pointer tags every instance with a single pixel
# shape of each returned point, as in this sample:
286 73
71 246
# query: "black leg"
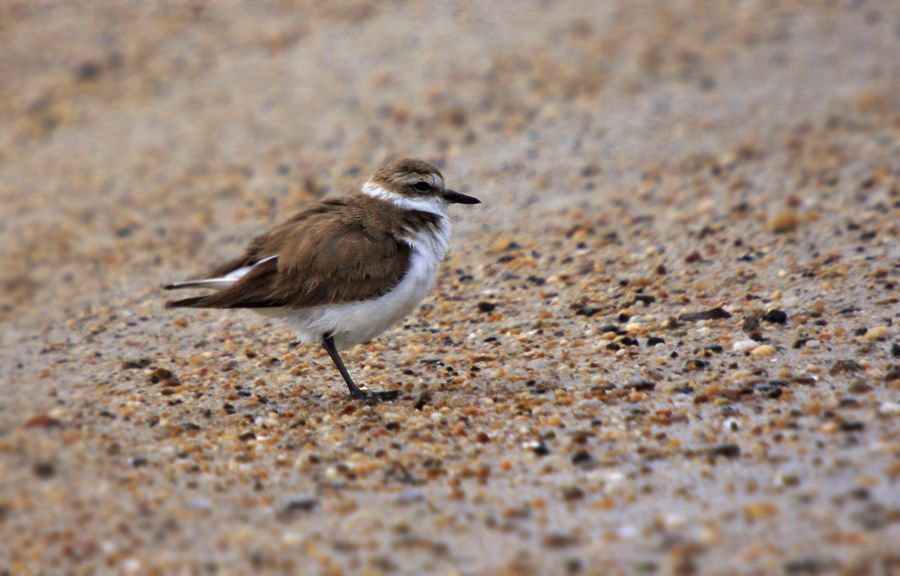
328 343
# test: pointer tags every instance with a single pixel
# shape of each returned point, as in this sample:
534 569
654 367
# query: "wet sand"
667 342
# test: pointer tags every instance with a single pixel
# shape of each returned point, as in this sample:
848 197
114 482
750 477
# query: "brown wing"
330 253
269 244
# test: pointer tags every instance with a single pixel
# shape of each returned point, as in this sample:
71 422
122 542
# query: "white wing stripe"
224 281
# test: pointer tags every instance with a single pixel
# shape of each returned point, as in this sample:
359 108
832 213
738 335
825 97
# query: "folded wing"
326 254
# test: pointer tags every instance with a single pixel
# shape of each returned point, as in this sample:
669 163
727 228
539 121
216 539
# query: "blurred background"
134 134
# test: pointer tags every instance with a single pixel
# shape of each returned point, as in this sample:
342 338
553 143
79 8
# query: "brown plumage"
334 251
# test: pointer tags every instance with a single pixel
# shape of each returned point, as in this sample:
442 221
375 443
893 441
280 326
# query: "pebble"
409 496
878 333
693 257
785 221
582 458
42 421
44 469
572 493
763 350
731 425
717 313
486 307
775 316
744 345
888 407
844 367
198 504
635 328
726 450
298 505
760 510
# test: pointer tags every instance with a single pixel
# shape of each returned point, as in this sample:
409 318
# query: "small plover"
343 270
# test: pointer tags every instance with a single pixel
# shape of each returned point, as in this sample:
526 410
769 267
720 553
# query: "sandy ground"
667 342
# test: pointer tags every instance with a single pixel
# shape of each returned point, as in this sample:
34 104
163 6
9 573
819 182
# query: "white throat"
434 205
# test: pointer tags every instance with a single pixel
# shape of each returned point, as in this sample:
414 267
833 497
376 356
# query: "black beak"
459 198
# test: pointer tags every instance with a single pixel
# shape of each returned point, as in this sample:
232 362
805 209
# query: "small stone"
877 333
571 493
760 510
806 566
88 71
763 351
44 470
582 458
888 407
486 307
726 450
852 426
775 316
844 367
559 540
744 345
670 323
409 496
645 299
695 364
162 375
42 421
791 480
717 313
784 222
198 504
860 388
634 328
297 506
750 324
642 386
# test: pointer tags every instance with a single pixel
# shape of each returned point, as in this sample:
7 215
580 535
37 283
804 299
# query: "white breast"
357 322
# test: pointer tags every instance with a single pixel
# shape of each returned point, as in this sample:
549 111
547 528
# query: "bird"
343 270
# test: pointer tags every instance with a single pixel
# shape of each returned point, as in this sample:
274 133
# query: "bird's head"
411 182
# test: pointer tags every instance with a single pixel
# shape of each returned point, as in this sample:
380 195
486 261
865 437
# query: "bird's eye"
422 186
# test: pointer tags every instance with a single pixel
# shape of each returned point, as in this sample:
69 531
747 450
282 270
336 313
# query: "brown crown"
402 176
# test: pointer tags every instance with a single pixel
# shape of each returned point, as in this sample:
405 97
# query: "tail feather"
216 283
193 302
224 298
